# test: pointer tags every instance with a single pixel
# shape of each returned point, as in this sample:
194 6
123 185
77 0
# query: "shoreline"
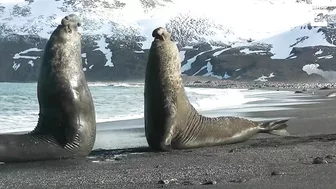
209 82
260 85
141 118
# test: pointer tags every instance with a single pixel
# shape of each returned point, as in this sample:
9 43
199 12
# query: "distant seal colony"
171 122
67 124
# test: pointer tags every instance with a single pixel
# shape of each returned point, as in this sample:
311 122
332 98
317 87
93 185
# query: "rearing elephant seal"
171 122
67 124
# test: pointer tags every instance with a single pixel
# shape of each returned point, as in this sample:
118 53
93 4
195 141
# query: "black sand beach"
307 159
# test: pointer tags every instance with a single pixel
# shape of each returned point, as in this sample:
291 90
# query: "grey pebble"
163 181
239 180
211 182
319 160
275 173
330 156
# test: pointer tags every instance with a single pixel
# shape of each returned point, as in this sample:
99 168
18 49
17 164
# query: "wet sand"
304 160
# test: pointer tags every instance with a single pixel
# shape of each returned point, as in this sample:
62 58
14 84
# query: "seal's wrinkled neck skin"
64 46
162 44
165 64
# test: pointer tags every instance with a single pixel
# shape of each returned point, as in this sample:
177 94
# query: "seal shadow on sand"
252 143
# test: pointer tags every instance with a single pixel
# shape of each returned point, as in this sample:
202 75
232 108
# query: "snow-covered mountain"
240 39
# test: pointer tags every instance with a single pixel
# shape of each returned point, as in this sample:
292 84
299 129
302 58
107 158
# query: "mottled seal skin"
67 124
171 122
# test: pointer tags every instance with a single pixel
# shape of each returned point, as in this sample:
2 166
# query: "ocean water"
124 101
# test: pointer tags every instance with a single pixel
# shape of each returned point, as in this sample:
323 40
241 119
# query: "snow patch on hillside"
264 78
248 51
199 70
31 63
103 47
219 52
284 43
319 52
182 55
19 55
16 65
226 76
292 57
325 57
208 66
83 55
187 66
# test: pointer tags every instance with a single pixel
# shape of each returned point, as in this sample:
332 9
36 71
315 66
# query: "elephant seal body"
67 124
171 122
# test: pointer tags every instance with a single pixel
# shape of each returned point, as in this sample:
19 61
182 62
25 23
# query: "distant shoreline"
210 82
270 85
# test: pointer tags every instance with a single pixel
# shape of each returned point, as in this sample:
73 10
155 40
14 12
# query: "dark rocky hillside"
122 53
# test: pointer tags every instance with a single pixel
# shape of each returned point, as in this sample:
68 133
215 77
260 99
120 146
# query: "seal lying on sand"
171 122
67 124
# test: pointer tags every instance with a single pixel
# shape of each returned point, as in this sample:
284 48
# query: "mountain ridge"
116 43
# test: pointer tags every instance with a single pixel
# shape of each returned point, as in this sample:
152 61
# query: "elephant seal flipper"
171 122
169 134
66 126
274 127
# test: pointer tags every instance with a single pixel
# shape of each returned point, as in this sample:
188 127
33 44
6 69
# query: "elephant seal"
171 122
66 126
